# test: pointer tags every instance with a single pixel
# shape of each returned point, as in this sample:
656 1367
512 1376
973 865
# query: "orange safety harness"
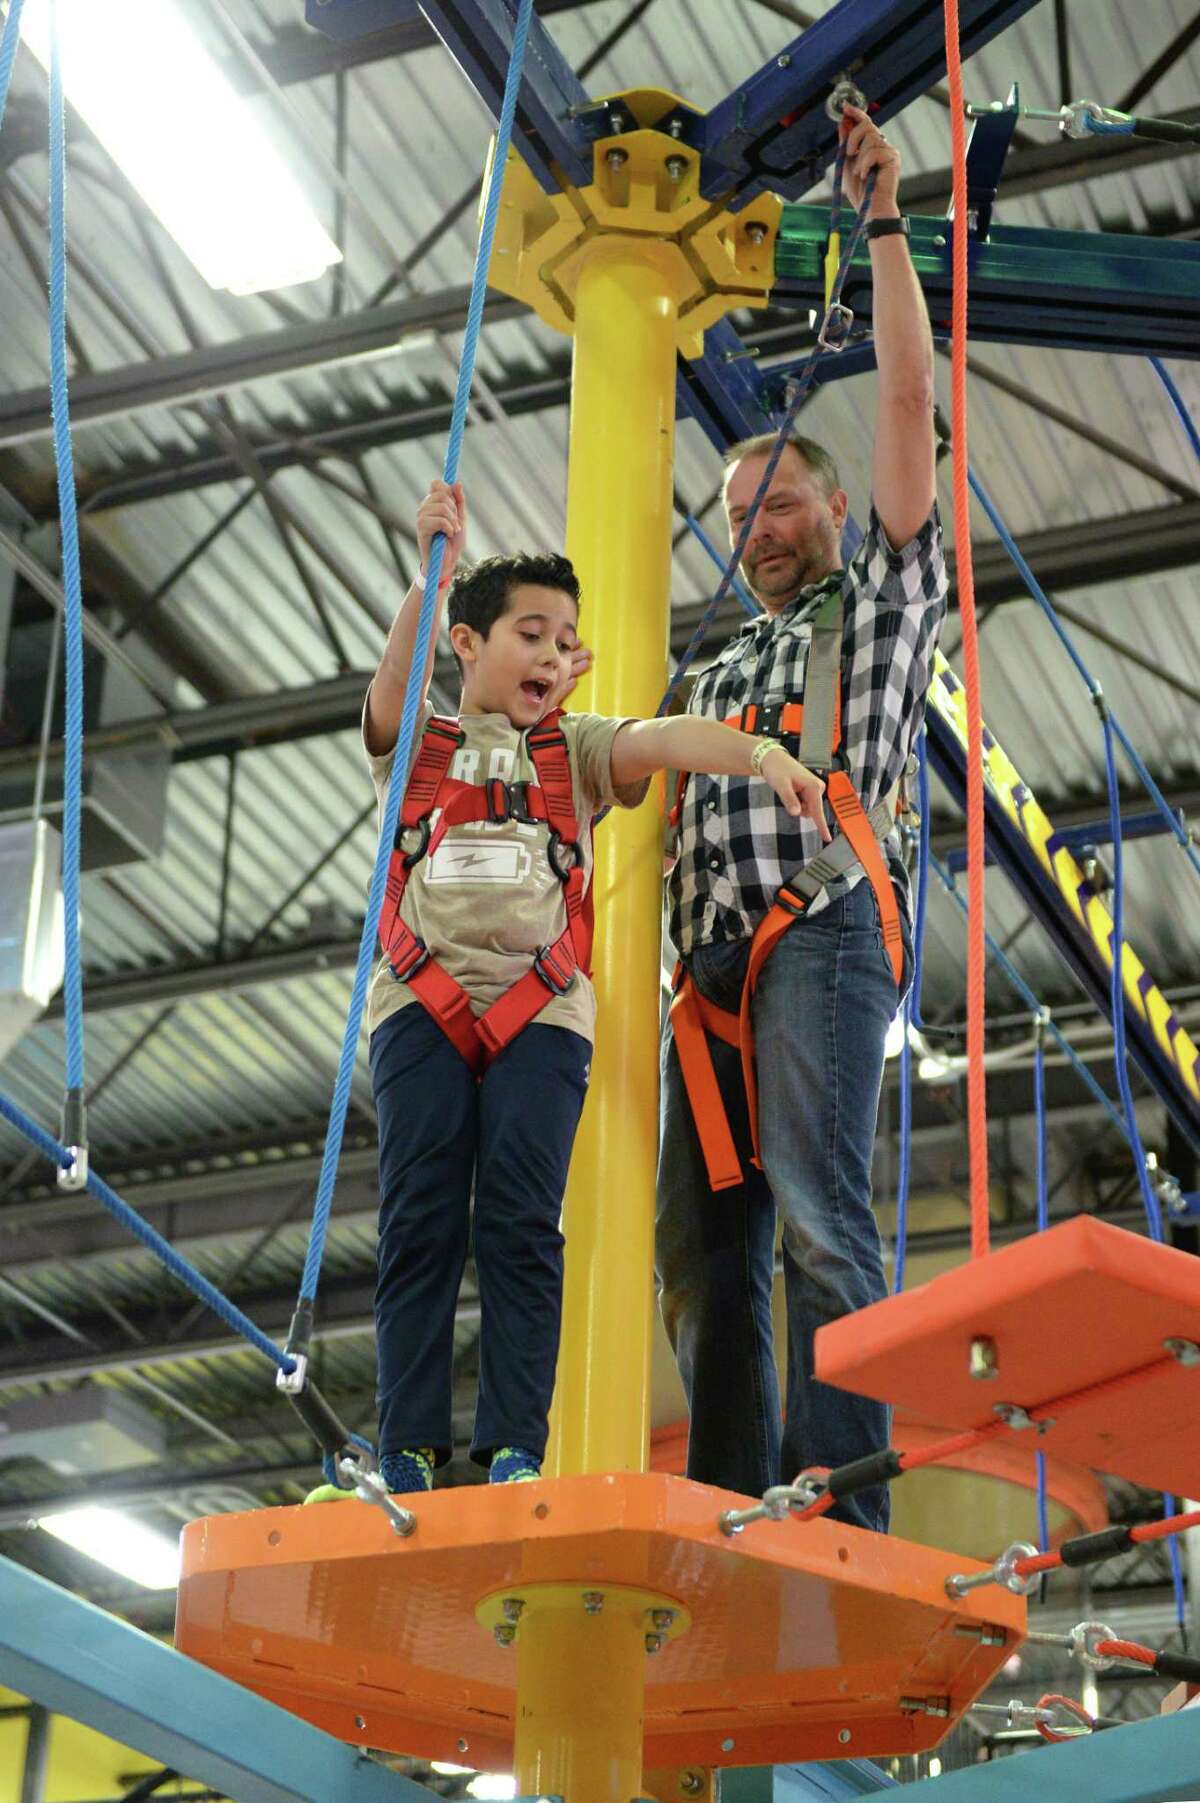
550 802
816 720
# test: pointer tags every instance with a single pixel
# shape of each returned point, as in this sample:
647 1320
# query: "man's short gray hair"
813 454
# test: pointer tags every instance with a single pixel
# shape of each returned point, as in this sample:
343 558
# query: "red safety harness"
858 840
550 802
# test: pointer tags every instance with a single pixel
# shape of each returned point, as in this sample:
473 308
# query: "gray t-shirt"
488 898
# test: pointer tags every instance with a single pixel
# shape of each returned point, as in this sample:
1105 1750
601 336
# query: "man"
834 979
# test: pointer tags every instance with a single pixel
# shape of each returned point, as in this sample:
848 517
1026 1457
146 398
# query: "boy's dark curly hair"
480 594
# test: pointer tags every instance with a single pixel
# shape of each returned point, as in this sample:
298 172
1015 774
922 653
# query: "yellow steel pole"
581 1684
619 539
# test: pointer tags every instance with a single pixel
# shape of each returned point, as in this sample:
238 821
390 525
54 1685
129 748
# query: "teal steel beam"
76 1660
1156 1761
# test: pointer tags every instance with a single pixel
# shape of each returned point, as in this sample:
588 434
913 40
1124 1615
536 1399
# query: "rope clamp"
835 327
1184 1352
292 1382
1073 119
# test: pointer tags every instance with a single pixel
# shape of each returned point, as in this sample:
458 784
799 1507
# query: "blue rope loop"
803 384
72 583
745 599
414 687
1185 419
141 1229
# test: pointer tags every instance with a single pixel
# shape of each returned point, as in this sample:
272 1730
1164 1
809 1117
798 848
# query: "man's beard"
789 575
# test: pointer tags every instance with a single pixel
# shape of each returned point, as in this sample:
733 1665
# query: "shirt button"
714 863
712 804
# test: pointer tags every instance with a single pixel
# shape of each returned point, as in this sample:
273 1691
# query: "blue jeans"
821 1012
440 1133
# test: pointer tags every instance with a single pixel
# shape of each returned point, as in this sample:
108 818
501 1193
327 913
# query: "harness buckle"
554 972
498 796
518 804
408 959
792 904
560 848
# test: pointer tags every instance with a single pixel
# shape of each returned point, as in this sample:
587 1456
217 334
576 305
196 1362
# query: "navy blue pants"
510 1137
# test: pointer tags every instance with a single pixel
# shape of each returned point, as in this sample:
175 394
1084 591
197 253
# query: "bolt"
504 1635
616 158
784 61
653 1642
662 1619
360 1721
727 1746
844 1736
676 168
512 1606
983 1363
593 1601
676 127
691 1783
939 242
462 1746
1185 1352
756 231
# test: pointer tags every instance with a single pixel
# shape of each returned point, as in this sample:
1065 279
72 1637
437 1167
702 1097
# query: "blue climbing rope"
1117 990
8 50
71 581
748 604
903 1178
1185 419
142 1230
911 1015
799 391
416 678
922 879
1093 687
1108 128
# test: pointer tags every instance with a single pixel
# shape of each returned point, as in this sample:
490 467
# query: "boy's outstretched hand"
797 788
444 510
582 659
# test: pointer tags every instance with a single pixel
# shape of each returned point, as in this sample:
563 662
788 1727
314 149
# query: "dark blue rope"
1022 988
1116 987
128 1217
922 880
416 677
1093 687
8 50
1185 419
748 604
72 584
803 383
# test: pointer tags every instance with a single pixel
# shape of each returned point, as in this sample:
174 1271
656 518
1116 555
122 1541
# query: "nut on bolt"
593 1601
505 1635
676 167
512 1606
691 1783
654 1643
662 1619
616 158
756 231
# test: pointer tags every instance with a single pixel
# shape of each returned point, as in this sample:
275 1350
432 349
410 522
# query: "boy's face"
523 666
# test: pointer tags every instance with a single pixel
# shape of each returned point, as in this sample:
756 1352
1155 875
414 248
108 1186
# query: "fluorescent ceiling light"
163 109
116 1540
492 1787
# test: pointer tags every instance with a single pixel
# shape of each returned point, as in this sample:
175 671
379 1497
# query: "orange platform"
804 1637
1083 1304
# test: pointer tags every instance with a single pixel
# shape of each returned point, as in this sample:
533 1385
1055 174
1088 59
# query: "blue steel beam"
1045 902
773 134
77 1661
1078 839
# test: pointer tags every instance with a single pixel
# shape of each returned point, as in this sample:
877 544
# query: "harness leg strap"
703 1092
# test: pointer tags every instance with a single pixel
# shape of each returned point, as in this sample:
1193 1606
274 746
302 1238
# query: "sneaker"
408 1471
329 1493
513 1465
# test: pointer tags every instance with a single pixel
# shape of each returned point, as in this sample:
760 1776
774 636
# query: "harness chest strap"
550 801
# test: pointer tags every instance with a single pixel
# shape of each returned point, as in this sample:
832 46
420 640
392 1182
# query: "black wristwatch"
888 228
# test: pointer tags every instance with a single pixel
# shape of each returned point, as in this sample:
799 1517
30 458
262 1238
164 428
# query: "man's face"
796 537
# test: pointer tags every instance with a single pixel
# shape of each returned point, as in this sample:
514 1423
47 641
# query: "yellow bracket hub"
645 187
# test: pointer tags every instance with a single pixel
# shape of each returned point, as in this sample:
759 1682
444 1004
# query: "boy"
481 1013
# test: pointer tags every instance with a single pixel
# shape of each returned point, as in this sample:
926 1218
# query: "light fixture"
116 1540
161 105
935 1767
492 1787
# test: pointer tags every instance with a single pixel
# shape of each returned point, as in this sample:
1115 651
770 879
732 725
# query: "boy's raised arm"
688 743
444 509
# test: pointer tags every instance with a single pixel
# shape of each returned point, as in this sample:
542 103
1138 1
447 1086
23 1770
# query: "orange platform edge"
1083 1305
808 1640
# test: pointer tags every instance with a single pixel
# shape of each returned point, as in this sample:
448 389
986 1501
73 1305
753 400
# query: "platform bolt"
662 1619
654 1643
616 158
1185 1351
728 1744
939 242
512 1606
504 1635
676 168
756 231
783 62
676 127
593 1602
843 1736
983 1363
691 1783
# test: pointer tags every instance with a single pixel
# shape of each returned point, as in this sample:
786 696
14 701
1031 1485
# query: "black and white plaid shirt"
736 843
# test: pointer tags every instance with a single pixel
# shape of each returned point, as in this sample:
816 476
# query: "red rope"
1048 1731
1170 1524
1126 1649
976 948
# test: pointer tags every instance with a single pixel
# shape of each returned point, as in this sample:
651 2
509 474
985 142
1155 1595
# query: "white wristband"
760 754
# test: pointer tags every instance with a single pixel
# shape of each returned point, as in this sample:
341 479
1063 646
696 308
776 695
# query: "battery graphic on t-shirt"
481 861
